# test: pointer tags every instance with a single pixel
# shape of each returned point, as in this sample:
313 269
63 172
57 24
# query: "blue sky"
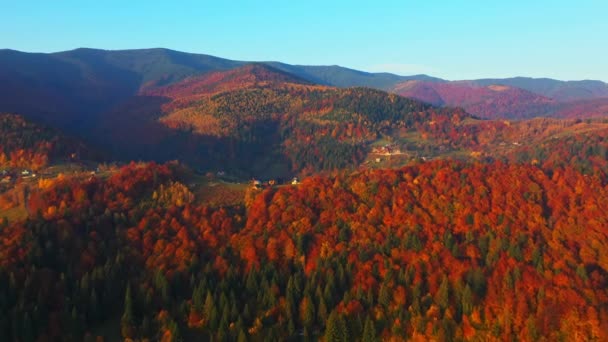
449 39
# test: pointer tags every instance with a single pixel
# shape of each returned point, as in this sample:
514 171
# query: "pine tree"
322 312
336 330
308 312
127 321
442 297
242 337
467 300
197 299
384 296
174 329
369 331
291 327
209 306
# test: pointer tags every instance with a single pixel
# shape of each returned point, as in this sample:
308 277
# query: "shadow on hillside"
67 92
132 131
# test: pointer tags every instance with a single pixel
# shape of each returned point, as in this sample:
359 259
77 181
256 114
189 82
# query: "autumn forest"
253 203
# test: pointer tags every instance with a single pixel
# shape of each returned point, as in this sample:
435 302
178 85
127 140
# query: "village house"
387 150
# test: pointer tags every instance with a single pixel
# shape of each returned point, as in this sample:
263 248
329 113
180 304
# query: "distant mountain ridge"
489 102
71 89
561 91
503 99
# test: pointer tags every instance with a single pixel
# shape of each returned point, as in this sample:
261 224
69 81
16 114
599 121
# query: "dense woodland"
24 144
257 119
503 237
443 249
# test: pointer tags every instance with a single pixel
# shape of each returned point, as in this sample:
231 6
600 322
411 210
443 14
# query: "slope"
70 89
562 91
257 118
492 101
24 144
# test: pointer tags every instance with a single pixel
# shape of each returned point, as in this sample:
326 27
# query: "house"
295 181
25 172
387 150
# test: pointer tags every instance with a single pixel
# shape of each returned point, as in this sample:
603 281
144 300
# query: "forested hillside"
442 250
254 202
258 119
27 145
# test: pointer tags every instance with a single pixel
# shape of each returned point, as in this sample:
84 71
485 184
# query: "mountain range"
71 89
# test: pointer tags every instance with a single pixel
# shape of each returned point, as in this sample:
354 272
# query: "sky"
456 39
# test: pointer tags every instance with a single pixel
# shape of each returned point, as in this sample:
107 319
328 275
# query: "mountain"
250 75
492 101
258 119
581 109
516 98
25 144
562 91
70 89
344 77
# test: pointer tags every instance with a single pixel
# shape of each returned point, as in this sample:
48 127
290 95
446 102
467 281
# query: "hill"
562 91
27 145
71 89
592 108
517 98
479 251
257 118
492 101
409 221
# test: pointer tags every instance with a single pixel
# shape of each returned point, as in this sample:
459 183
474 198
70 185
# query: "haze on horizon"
556 39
